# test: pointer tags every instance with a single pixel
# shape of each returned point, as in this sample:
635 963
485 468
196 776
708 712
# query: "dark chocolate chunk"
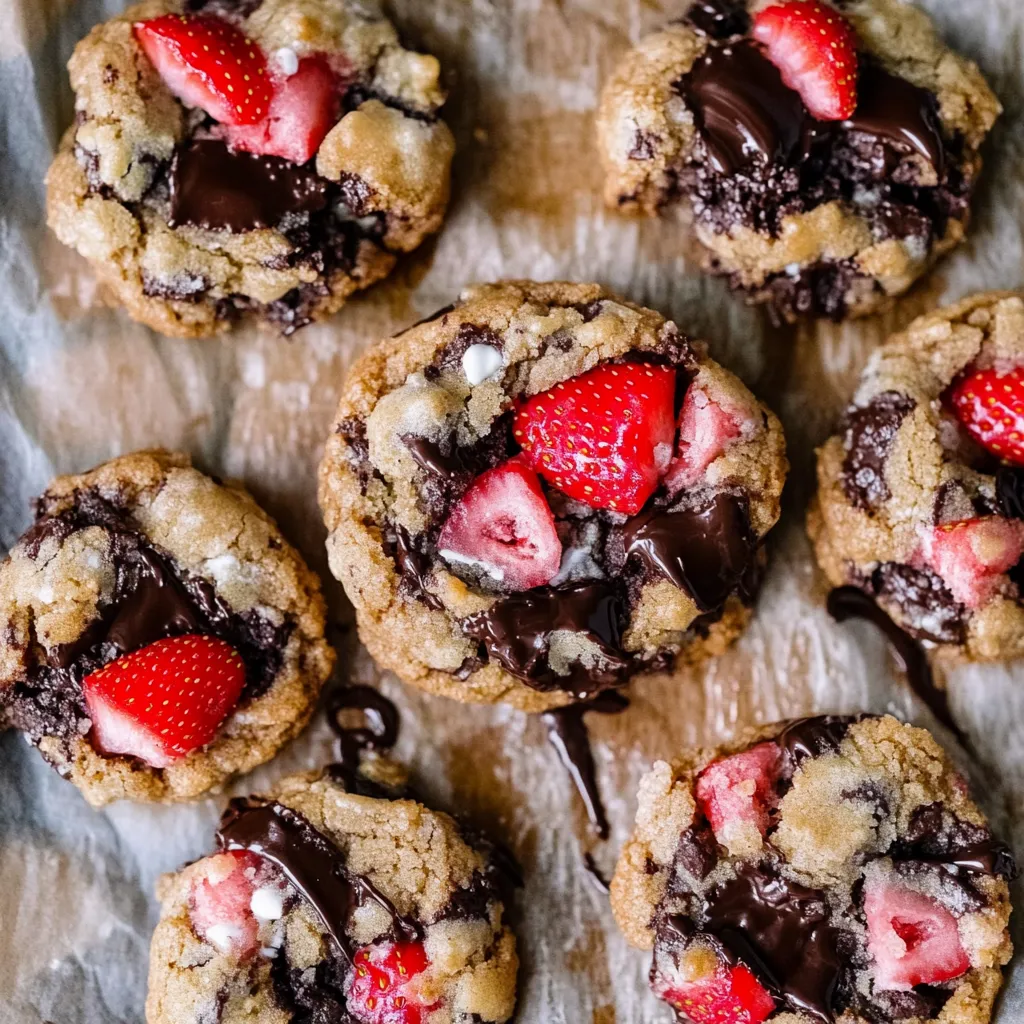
414 568
217 188
812 737
926 605
1010 492
706 552
870 432
697 852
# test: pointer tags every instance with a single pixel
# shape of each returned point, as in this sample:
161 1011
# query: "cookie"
829 869
335 901
830 213
542 490
920 495
142 582
256 158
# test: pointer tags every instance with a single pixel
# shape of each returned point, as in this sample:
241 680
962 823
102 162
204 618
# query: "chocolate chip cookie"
826 154
157 633
336 901
921 494
543 490
826 869
264 158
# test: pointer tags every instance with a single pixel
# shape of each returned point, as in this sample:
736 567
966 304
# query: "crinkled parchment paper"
80 383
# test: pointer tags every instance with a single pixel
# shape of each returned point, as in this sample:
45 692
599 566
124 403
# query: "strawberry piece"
971 555
605 437
303 109
740 790
208 63
220 903
815 49
913 939
706 429
379 991
503 525
990 405
165 700
730 995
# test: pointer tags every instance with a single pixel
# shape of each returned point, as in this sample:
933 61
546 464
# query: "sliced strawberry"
208 63
740 790
503 525
165 700
913 939
220 903
706 429
379 991
605 437
815 48
971 555
730 995
990 405
303 109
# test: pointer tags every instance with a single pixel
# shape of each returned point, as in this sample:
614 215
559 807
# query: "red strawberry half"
220 903
913 939
379 991
740 790
504 526
990 405
165 700
605 437
706 429
303 110
730 995
208 63
815 49
972 555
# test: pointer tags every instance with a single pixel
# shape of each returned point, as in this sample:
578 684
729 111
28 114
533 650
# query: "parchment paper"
80 383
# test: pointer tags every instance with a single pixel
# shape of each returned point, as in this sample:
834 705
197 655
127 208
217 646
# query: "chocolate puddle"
850 603
567 733
310 861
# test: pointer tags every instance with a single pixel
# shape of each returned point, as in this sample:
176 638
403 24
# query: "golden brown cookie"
830 868
543 490
808 216
911 508
157 633
336 901
194 212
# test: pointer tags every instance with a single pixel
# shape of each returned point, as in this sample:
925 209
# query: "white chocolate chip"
45 594
493 571
480 362
222 936
287 60
267 903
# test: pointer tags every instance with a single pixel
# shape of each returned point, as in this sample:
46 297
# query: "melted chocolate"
413 567
926 604
870 435
568 735
783 931
310 861
697 852
849 603
380 732
217 188
1010 492
742 107
516 630
706 552
429 457
891 109
811 737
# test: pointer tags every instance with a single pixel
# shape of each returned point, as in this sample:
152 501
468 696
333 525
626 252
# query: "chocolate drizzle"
742 107
849 603
221 189
783 931
568 734
707 552
310 861
380 732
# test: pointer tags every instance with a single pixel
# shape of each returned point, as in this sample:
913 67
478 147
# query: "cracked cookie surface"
910 507
809 217
193 223
341 901
830 869
478 571
138 554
